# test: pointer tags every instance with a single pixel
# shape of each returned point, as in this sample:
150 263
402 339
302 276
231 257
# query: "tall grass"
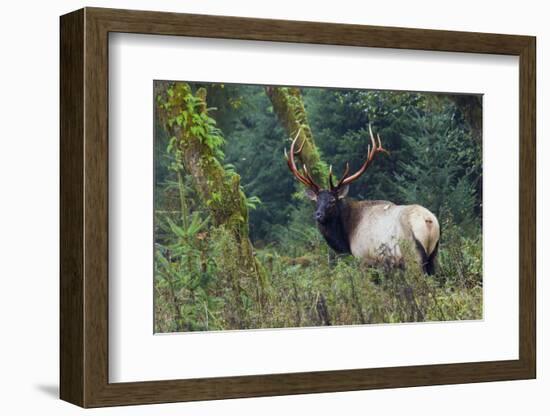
309 287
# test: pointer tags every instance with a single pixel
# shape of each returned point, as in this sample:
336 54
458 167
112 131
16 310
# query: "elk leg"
424 258
431 264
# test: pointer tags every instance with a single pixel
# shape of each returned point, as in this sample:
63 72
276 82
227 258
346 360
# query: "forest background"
236 246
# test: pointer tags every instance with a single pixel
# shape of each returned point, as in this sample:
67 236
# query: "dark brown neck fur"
335 234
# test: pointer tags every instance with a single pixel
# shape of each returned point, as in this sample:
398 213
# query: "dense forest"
236 245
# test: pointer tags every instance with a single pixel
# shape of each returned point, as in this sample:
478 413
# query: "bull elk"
373 231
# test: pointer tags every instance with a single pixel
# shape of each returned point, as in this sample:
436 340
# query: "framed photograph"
256 207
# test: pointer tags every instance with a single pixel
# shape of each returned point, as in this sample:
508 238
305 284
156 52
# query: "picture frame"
84 170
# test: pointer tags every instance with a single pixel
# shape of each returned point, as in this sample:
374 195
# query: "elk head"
327 199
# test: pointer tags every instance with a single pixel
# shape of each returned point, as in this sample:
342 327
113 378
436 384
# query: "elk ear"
343 191
311 194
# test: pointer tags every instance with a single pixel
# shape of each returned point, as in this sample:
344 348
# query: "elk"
373 231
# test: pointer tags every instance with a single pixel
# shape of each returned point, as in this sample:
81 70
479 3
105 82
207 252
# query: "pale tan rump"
424 227
380 228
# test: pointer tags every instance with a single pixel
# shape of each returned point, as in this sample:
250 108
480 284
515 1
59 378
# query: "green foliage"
446 159
256 152
460 257
193 155
183 278
196 141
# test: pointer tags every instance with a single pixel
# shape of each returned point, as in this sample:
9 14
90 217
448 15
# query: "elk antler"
306 178
371 152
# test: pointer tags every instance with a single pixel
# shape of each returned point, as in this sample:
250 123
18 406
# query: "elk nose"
318 216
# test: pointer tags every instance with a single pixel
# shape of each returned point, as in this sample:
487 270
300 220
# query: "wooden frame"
84 207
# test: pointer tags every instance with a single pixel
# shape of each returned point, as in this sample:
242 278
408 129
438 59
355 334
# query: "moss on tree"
196 143
288 104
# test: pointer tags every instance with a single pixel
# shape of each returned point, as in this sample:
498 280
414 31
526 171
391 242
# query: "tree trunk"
196 143
471 108
288 104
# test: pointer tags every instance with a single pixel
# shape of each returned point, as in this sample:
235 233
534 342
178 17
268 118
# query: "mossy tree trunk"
288 104
196 143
